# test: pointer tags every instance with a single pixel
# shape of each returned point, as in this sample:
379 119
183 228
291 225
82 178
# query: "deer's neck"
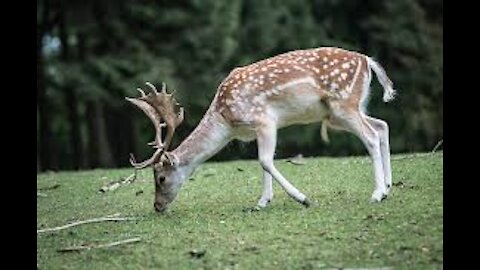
209 137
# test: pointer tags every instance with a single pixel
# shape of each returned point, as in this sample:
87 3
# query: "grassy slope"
342 229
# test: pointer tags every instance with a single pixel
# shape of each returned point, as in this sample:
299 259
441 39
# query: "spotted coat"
331 73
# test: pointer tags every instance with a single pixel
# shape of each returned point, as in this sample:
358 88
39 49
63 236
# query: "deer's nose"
158 207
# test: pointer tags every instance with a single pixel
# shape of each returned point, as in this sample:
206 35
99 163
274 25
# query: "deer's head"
168 176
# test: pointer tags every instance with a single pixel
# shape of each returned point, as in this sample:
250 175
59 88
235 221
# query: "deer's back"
291 88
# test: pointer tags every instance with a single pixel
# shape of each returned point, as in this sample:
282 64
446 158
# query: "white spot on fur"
350 87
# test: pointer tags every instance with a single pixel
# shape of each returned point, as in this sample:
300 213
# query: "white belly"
299 109
296 102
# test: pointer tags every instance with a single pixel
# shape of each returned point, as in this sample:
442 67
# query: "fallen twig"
88 247
420 154
50 187
116 184
93 220
39 194
436 146
411 156
297 160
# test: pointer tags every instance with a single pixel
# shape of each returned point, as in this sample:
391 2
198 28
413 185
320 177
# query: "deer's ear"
175 161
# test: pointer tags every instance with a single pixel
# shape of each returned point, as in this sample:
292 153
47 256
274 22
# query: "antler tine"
140 165
157 143
164 87
154 89
156 121
141 92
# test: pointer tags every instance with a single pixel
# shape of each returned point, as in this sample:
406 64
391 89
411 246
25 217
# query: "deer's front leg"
266 140
267 194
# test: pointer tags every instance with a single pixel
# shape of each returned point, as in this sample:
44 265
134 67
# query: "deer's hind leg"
267 194
356 122
382 128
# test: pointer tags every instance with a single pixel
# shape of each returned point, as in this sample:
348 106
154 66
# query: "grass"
341 230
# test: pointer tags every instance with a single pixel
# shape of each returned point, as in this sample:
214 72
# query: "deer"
326 84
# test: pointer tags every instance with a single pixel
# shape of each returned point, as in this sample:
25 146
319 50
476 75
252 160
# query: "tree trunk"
82 52
43 113
120 122
93 160
74 121
45 149
99 149
70 97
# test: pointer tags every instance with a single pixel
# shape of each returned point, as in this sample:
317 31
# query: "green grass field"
341 230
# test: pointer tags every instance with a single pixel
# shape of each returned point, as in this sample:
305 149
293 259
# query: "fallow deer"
328 85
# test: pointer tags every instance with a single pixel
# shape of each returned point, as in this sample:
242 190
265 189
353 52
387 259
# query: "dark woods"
91 54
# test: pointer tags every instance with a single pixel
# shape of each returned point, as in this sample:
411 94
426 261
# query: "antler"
157 106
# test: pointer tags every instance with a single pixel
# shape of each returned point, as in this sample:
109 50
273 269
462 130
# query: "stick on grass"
116 184
93 220
88 247
437 146
50 187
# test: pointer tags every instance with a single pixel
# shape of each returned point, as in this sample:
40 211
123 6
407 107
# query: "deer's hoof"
378 196
306 202
263 202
